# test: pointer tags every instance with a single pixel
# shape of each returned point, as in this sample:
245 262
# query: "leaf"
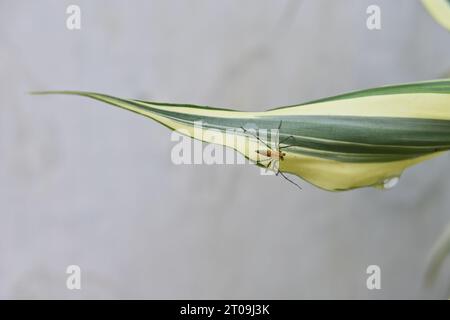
355 140
440 10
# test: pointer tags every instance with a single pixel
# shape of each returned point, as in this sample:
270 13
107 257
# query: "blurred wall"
83 183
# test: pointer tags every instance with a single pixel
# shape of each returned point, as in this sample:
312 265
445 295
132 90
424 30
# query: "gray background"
82 183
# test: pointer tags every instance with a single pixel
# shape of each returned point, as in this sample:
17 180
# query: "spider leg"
284 176
279 126
267 168
263 160
255 136
260 162
276 166
284 140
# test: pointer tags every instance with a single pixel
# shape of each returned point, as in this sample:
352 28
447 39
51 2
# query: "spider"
273 156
